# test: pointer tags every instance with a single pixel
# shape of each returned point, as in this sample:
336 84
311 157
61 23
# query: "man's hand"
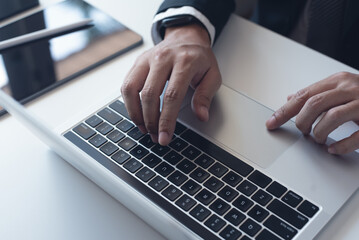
337 97
185 58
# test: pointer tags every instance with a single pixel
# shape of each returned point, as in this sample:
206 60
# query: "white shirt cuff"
156 36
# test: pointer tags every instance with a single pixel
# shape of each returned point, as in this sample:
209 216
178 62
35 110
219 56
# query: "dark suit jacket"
280 16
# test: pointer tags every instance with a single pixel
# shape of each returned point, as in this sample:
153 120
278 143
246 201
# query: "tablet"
32 69
10 8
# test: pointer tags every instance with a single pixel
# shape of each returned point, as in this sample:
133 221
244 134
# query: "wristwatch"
176 21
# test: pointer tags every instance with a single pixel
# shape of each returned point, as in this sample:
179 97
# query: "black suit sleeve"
217 11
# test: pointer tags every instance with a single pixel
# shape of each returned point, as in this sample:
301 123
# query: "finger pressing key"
150 97
172 100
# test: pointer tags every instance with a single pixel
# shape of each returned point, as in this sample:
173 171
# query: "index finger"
288 110
296 102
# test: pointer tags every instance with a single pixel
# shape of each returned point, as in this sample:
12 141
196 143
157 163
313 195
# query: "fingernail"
270 122
204 112
290 96
332 150
164 138
142 129
154 138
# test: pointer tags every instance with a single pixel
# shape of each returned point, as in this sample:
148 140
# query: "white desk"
43 197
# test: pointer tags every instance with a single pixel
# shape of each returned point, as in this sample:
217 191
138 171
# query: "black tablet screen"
31 69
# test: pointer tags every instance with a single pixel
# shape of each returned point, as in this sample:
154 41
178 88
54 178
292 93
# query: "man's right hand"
184 58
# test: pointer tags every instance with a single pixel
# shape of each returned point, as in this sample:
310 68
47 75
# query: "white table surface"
43 197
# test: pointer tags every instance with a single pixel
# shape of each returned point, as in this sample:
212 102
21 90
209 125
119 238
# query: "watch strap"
176 21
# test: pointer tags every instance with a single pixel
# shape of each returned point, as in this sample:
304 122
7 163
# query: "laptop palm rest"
238 123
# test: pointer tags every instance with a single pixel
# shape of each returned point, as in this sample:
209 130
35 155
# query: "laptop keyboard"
210 191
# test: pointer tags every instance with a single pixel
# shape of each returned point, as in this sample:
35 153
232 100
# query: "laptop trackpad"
238 123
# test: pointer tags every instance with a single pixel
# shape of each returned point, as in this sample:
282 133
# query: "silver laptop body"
304 168
273 185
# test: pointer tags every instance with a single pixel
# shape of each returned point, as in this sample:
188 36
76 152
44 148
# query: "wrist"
193 32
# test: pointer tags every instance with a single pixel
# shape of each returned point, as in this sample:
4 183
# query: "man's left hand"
337 97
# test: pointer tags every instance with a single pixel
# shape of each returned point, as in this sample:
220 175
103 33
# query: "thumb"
204 92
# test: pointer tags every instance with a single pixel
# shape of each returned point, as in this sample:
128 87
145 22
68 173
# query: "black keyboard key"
260 179
125 125
266 235
178 144
160 150
191 187
84 131
230 233
139 152
120 157
215 223
232 178
262 197
104 128
247 188
94 121
199 175
191 152
119 107
243 203
115 136
164 169
228 193
308 208
127 144
218 153
151 160
185 202
145 174
280 227
186 166
171 193
235 217
200 213
147 141
219 206
204 161
179 128
132 165
97 140
158 183
218 169
245 238
135 133
205 197
276 189
110 116
292 199
173 157
213 184
109 149
258 213
250 227
177 178
287 213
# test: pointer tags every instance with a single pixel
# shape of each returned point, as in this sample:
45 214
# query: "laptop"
228 178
